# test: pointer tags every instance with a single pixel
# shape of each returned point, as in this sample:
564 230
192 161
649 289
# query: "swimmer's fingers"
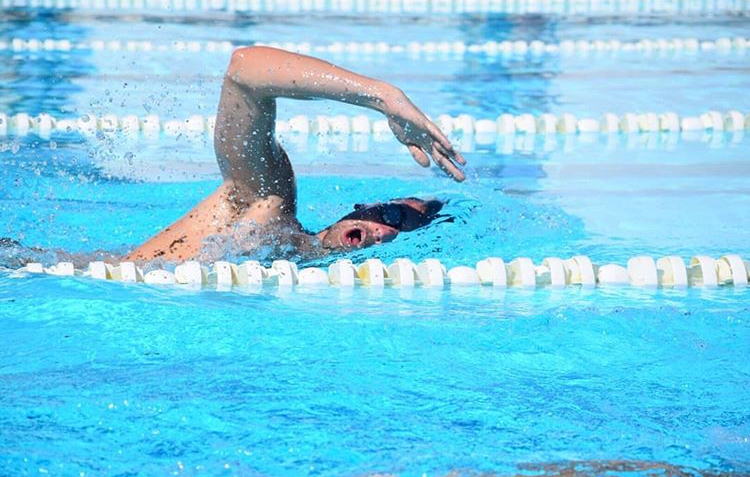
458 157
444 143
419 155
452 154
447 165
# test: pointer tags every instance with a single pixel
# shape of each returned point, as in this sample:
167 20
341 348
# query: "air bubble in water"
53 145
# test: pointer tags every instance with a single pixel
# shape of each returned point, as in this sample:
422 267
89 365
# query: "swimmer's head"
372 224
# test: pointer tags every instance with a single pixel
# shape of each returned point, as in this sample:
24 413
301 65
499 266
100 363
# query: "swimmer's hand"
421 136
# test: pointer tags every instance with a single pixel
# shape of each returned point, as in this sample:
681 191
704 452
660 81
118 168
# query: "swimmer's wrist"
388 98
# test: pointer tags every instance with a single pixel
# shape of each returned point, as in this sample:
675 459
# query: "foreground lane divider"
485 131
642 271
567 7
427 49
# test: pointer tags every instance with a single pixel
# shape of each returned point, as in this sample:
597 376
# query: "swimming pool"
103 378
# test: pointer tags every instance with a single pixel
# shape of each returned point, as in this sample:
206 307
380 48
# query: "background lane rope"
564 7
484 130
646 46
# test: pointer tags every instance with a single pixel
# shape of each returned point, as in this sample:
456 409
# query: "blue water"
114 379
144 380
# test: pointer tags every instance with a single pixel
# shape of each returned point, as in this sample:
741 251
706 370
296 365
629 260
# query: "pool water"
117 379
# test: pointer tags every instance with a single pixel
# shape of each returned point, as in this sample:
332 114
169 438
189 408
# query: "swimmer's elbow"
243 56
246 60
239 62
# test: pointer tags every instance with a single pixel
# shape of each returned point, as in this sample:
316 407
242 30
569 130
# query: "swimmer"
259 185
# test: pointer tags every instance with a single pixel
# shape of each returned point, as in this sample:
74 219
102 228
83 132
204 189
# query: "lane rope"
700 271
422 49
506 144
484 131
562 7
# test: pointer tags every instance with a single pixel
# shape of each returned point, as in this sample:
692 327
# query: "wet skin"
372 224
259 184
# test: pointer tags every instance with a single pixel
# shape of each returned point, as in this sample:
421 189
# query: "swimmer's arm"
267 73
271 73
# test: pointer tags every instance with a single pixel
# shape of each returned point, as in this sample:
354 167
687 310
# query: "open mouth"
353 237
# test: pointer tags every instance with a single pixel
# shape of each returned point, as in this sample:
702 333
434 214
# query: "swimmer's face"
357 234
372 224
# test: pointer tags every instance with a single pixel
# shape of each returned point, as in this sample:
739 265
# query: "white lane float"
613 274
493 271
402 273
732 270
702 271
672 271
555 268
642 271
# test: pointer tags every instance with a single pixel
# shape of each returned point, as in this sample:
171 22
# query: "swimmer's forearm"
269 72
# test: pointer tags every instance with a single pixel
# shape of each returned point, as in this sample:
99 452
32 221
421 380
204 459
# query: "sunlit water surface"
115 379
